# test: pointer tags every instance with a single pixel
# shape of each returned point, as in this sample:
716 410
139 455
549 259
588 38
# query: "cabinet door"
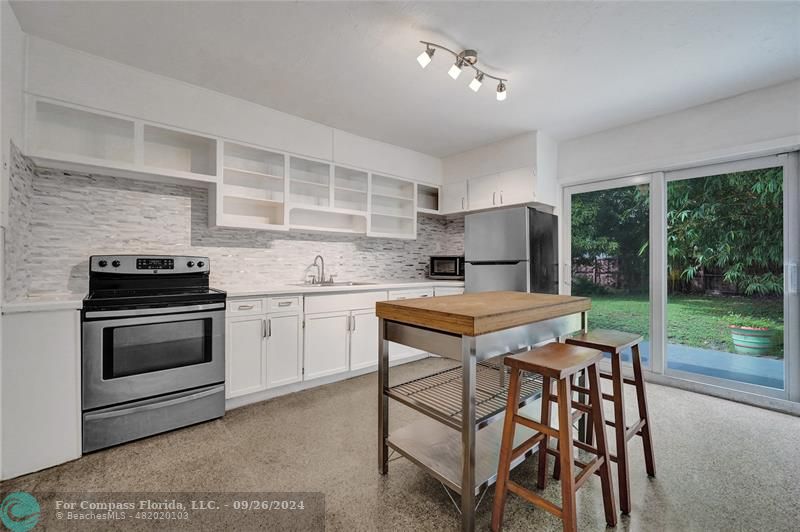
363 339
245 355
516 186
454 197
326 342
483 192
284 359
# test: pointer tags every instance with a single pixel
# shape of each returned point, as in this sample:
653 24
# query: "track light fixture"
501 91
465 58
425 57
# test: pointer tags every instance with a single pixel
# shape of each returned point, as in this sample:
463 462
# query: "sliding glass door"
703 263
609 255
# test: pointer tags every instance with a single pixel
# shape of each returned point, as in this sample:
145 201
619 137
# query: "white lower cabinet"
245 355
363 339
399 351
41 390
327 344
284 349
448 290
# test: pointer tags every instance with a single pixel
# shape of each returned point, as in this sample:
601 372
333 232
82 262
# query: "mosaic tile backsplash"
58 219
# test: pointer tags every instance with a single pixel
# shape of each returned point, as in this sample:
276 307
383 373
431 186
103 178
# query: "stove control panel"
147 264
155 263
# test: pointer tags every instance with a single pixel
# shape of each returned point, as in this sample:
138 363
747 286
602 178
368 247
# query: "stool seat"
606 340
555 360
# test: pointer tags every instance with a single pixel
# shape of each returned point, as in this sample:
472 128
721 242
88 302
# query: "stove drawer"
245 306
118 424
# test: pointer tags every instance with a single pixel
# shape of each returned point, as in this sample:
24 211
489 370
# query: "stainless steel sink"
338 283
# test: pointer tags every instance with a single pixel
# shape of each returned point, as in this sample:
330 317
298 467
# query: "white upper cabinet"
483 192
454 197
516 186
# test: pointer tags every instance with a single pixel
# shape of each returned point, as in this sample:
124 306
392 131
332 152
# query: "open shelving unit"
253 188
309 182
393 209
75 133
177 151
427 199
350 189
249 186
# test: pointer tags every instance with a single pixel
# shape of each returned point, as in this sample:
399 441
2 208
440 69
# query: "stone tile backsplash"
58 219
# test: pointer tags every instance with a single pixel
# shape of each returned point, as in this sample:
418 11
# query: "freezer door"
491 277
500 235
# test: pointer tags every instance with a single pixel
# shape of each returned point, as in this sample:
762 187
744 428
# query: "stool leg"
506 447
587 420
620 429
545 419
568 509
641 398
596 399
584 419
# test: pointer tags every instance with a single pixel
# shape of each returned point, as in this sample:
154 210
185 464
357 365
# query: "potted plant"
751 336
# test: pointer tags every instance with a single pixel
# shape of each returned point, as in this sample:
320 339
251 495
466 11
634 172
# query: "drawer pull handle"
284 303
245 307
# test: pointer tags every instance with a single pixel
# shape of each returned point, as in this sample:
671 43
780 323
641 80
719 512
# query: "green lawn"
698 321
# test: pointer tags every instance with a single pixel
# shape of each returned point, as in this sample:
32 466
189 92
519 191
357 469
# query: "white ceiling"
574 68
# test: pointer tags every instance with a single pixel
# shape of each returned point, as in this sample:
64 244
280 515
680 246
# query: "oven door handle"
152 311
154 405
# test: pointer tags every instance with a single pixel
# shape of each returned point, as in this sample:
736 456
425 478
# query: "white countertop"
305 290
74 301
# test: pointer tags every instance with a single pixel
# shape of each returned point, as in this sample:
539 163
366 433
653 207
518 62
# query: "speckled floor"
721 465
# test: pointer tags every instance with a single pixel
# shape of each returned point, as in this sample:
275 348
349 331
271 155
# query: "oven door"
128 356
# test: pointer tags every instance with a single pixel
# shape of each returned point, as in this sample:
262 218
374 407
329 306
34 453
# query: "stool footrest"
626 380
636 429
535 425
527 444
588 470
534 499
581 407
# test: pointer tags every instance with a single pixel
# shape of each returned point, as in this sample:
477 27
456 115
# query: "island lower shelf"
437 448
439 395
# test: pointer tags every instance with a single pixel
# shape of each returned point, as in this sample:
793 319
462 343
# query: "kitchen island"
459 443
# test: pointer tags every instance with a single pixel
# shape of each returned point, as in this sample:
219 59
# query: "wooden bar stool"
558 362
614 342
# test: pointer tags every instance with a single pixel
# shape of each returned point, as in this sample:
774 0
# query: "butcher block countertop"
482 312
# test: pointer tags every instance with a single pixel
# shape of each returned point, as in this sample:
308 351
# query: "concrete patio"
760 371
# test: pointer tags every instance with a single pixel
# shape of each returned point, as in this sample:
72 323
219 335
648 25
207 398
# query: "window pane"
610 259
725 276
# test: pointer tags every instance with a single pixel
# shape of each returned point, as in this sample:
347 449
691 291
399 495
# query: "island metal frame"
451 398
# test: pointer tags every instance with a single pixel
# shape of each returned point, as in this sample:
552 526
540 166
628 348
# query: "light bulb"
455 70
501 91
425 57
475 84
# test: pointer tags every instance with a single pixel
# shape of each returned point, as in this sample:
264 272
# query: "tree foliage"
730 224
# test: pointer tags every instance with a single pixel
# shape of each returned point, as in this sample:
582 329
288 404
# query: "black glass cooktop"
145 298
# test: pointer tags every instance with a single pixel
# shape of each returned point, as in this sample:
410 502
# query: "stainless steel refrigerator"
511 249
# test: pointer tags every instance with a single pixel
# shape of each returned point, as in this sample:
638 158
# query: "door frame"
787 399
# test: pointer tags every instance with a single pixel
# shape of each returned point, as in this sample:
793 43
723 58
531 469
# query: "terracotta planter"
757 341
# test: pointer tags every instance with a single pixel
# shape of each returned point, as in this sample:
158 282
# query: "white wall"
62 73
509 154
12 53
753 123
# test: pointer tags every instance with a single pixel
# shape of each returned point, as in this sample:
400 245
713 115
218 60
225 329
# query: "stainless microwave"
446 267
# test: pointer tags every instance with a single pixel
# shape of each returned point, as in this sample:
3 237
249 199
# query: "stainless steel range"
153 347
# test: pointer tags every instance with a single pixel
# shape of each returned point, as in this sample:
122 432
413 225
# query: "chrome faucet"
320 269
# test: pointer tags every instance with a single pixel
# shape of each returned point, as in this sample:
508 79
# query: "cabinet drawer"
245 306
395 295
283 304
